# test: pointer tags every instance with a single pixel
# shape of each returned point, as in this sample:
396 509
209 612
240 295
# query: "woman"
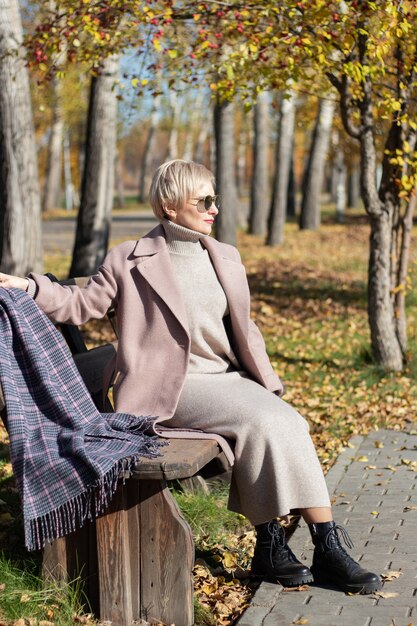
190 354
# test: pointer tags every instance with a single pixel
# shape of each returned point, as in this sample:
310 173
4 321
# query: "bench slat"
182 458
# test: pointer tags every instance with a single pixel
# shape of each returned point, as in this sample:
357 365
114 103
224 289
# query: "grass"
23 596
208 516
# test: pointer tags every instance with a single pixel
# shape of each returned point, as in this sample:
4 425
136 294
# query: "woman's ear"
169 212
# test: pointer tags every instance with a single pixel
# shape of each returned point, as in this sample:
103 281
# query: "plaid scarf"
66 456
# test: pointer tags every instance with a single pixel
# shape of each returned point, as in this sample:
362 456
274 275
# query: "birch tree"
20 225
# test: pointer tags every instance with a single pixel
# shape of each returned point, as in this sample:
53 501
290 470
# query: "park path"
374 486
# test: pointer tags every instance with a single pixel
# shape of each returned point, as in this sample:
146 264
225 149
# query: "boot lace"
278 541
333 538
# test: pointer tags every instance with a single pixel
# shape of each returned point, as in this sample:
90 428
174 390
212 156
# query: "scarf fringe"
89 504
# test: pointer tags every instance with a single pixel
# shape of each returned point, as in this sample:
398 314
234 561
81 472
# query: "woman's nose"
213 210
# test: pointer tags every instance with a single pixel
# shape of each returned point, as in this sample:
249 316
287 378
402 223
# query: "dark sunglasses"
204 204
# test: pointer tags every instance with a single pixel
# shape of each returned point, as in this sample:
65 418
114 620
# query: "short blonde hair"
174 182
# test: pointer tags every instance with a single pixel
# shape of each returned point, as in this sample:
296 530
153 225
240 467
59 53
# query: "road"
58 233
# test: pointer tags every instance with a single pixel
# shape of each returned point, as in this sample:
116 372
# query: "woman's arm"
73 304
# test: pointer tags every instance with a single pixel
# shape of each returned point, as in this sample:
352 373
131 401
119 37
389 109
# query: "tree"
20 225
283 156
52 189
260 175
367 50
94 217
148 149
225 171
314 173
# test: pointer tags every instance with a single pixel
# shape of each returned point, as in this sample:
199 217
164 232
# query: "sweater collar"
181 240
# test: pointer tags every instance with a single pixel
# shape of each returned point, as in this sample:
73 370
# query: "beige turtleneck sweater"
204 299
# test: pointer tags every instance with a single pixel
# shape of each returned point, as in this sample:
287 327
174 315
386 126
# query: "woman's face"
190 217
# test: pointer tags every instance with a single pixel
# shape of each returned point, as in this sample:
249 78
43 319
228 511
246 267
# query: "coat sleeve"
76 305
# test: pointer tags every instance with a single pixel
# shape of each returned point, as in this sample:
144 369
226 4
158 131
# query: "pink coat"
137 279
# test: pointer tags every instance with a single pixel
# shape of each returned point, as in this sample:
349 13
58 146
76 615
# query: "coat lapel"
154 264
232 278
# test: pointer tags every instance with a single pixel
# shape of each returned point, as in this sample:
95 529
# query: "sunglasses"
204 204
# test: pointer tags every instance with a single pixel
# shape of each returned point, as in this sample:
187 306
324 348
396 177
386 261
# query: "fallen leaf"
378 444
386 594
24 597
409 507
362 459
299 588
390 575
302 620
371 467
376 513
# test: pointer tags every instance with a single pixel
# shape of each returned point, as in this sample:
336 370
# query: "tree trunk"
260 178
97 189
148 150
172 152
195 120
20 224
120 188
385 345
69 186
354 188
340 167
406 225
380 208
52 189
278 208
200 144
244 140
225 172
313 176
292 189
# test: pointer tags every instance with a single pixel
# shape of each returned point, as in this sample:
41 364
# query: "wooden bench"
136 560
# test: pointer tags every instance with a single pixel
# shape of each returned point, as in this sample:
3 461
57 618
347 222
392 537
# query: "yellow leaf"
362 459
144 82
134 82
378 444
172 54
391 575
374 513
387 594
229 559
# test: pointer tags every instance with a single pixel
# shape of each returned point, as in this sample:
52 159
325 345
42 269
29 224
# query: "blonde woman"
189 353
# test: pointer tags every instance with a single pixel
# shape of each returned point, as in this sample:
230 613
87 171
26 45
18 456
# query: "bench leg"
137 559
167 557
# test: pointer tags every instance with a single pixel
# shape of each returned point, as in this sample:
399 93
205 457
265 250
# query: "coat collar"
153 263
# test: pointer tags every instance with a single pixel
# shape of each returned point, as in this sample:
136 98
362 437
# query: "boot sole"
285 582
355 589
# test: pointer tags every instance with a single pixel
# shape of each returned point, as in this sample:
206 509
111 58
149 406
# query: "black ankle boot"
274 560
332 564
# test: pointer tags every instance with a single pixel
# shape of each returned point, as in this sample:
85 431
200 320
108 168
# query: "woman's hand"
8 281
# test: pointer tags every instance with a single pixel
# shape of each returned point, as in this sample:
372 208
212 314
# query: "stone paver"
374 488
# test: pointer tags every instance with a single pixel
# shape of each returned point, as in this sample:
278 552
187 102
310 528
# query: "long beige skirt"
276 467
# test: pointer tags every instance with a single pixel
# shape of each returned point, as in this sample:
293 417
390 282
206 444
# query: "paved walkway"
374 484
